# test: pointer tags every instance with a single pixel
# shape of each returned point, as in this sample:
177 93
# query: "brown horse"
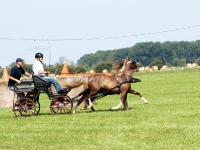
101 82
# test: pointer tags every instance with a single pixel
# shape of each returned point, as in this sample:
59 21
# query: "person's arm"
27 74
16 80
43 72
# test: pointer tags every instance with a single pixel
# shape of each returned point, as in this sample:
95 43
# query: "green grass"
171 120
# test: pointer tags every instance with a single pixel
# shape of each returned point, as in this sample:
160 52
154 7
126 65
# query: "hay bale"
92 71
105 71
141 69
6 96
154 68
147 68
3 82
165 67
188 65
195 65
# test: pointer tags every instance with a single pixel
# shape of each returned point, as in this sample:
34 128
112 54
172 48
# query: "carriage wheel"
24 107
37 106
61 104
37 103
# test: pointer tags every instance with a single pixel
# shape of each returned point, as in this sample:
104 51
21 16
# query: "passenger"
15 75
38 69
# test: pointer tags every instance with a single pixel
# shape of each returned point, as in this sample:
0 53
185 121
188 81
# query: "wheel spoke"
24 107
61 104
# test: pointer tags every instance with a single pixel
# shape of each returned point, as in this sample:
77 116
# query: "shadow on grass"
104 110
81 112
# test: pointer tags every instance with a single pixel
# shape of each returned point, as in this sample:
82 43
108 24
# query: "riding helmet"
38 55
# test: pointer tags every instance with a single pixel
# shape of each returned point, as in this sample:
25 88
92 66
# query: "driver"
38 69
15 75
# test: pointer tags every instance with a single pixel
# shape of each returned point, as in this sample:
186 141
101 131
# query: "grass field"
171 120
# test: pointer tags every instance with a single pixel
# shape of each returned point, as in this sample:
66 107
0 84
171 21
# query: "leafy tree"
80 69
198 61
175 62
156 62
182 62
71 69
104 65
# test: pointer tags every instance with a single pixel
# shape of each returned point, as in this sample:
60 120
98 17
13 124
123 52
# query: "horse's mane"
118 65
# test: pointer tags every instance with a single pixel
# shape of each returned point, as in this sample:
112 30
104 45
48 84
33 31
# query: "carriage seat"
44 86
24 86
40 83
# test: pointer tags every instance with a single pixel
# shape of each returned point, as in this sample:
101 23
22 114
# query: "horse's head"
130 64
126 64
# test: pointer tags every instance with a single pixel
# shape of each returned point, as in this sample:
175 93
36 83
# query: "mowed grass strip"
169 121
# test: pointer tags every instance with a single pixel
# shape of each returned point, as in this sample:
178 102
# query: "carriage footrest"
133 80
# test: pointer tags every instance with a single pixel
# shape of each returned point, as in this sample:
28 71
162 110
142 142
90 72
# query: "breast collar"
117 78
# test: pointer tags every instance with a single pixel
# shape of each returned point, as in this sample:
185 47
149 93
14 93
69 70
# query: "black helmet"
38 55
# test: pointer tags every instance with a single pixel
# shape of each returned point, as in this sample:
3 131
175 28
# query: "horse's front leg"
137 93
83 98
76 107
123 97
125 102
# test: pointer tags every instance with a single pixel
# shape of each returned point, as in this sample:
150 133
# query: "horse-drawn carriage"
29 104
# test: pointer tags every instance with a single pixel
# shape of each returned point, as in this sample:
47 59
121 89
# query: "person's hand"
47 73
18 81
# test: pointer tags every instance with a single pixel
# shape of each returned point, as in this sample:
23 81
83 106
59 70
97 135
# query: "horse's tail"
84 92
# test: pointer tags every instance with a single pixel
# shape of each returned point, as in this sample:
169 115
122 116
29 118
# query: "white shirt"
38 66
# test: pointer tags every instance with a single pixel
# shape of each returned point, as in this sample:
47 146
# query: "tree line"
167 53
146 53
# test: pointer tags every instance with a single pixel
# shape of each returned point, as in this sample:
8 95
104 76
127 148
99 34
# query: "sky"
73 28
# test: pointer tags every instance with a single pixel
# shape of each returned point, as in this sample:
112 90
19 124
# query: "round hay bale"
194 65
154 68
141 69
147 68
105 71
92 71
165 67
188 65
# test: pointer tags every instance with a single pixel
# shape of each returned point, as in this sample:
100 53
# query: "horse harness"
117 79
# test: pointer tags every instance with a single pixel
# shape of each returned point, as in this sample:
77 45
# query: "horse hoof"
92 109
69 112
112 108
144 100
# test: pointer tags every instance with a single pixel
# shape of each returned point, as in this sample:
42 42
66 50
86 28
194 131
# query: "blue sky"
64 28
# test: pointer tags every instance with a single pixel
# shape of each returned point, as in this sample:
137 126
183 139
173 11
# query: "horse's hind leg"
137 93
90 105
76 107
